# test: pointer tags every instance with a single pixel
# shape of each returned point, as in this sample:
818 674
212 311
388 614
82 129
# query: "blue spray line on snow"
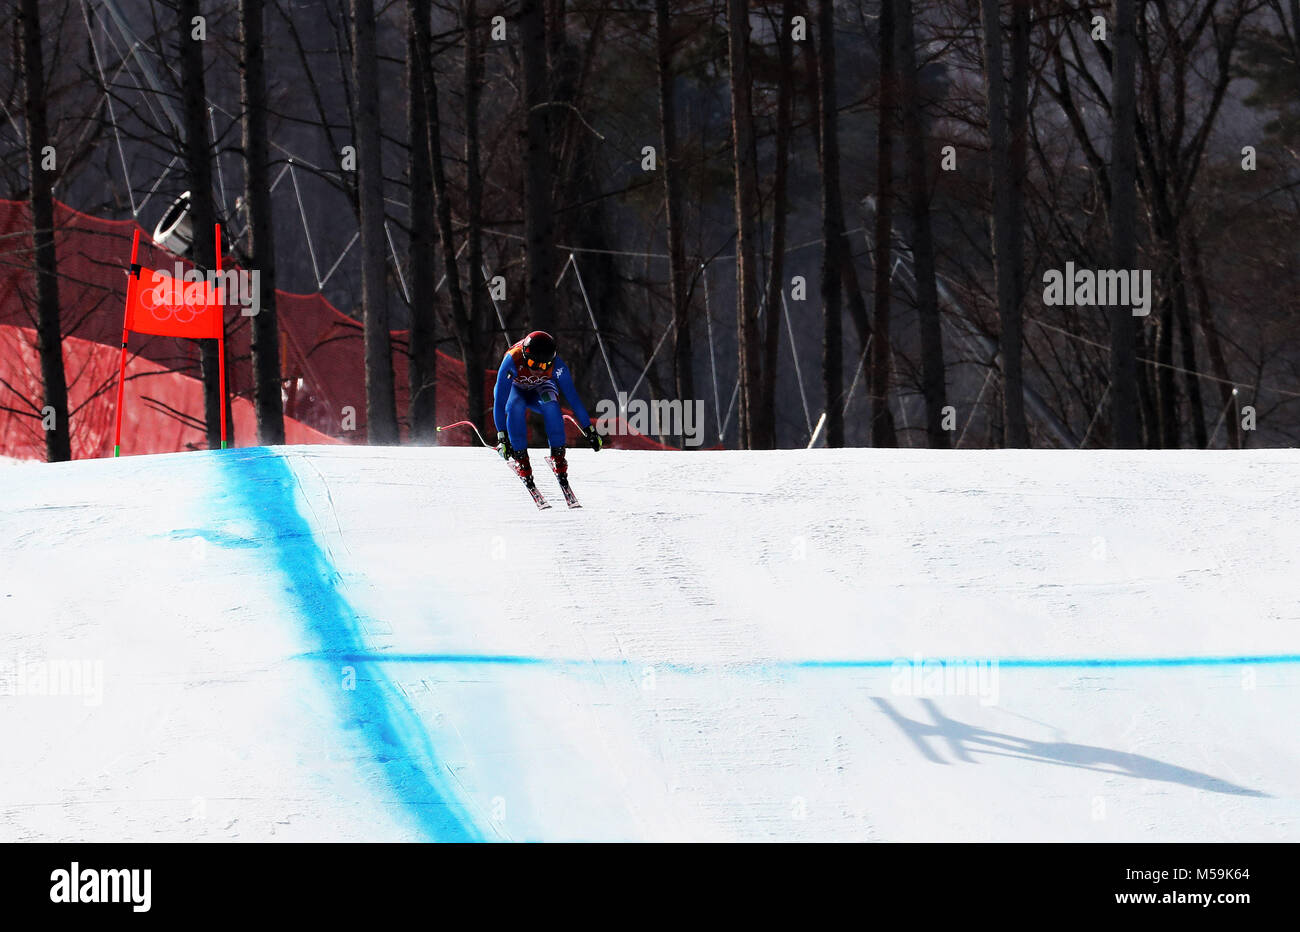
263 485
1071 663
760 666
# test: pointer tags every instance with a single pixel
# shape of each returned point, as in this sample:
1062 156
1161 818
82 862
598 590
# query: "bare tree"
472 340
422 368
765 409
1123 223
882 419
267 397
49 337
538 221
673 206
441 194
198 170
745 161
927 294
1007 114
381 402
833 246
1184 79
854 303
1171 155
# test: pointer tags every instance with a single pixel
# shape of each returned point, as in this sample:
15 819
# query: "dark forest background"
828 217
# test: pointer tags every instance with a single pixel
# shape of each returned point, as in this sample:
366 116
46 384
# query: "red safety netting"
156 403
322 358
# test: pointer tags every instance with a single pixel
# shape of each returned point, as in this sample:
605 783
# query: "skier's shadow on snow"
964 740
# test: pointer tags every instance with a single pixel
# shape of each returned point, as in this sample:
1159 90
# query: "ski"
538 499
569 498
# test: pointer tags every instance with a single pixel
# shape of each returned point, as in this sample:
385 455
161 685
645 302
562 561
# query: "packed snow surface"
304 643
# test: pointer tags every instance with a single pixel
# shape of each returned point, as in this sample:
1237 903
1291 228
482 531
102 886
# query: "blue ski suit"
519 391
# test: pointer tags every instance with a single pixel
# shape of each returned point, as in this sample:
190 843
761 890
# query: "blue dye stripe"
1047 663
263 486
1033 663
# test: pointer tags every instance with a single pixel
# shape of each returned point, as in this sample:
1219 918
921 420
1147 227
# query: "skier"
529 379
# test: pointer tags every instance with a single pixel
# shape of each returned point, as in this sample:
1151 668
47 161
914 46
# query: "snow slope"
393 644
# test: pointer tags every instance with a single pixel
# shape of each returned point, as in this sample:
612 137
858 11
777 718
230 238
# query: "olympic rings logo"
158 301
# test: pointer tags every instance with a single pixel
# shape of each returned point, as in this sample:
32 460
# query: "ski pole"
470 425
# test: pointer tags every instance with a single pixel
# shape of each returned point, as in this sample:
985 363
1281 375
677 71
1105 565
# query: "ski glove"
503 445
595 439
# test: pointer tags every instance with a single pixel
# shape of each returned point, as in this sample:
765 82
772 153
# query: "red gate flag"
161 304
170 307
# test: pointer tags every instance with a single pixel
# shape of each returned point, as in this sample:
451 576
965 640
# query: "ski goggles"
534 364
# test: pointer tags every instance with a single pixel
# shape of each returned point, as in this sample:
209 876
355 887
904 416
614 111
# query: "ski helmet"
539 349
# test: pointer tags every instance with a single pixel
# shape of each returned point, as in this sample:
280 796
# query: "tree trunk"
268 402
673 208
381 402
927 295
472 343
422 369
744 159
1182 314
445 233
854 303
49 333
882 418
1123 219
857 307
1147 393
555 41
1012 323
1214 346
1006 176
1165 228
832 231
442 199
1166 234
765 408
538 220
1166 390
198 171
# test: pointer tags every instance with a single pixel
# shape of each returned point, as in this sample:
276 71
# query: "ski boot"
560 466
522 465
